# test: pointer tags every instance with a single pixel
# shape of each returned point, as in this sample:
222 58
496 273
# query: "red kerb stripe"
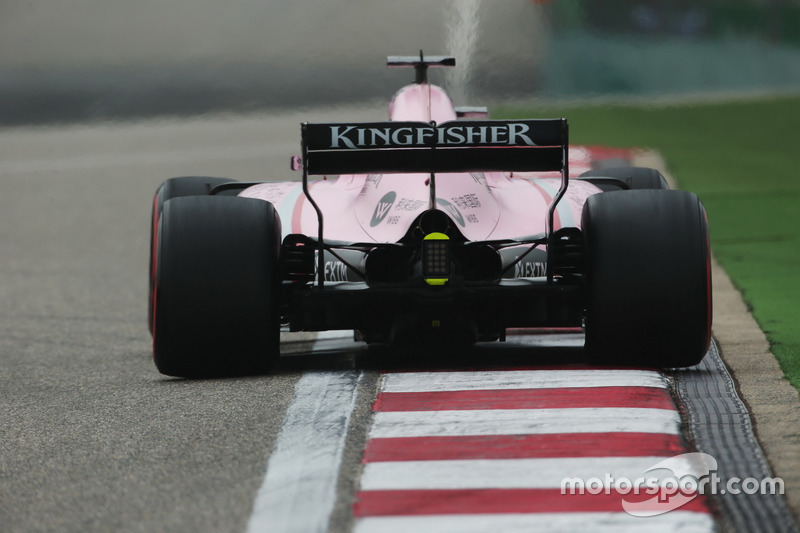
479 501
598 397
524 446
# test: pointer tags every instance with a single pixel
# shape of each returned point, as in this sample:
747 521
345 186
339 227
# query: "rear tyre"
636 178
648 278
173 188
216 306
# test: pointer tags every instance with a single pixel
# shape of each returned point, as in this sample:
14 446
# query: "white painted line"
683 521
299 489
520 379
537 473
524 421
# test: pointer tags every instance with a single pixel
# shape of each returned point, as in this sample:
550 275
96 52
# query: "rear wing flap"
418 147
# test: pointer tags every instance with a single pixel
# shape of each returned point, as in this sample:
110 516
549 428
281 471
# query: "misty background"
88 60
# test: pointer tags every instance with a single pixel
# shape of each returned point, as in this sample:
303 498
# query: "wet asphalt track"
93 438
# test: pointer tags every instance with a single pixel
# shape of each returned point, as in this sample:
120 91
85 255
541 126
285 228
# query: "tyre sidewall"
647 278
217 287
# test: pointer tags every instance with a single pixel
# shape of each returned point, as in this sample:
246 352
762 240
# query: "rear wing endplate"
539 145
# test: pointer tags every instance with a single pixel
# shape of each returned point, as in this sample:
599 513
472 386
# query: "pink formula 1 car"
431 227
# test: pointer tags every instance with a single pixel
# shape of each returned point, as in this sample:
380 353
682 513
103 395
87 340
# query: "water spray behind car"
462 39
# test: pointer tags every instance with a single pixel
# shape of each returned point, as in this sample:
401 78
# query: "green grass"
743 160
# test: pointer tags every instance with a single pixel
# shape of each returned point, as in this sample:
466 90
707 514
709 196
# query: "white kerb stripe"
524 421
549 473
683 521
520 379
299 489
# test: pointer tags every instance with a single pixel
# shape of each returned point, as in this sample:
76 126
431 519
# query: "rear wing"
417 147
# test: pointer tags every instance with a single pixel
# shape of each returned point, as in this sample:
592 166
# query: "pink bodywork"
381 208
